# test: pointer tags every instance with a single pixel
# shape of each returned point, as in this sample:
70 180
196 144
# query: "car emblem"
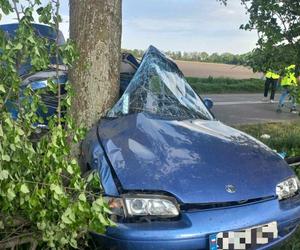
230 189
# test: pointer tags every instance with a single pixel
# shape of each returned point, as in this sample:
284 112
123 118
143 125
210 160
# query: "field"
216 70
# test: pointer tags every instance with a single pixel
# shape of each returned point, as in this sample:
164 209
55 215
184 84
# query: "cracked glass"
160 88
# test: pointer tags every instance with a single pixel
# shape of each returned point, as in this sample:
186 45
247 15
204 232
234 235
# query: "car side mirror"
208 103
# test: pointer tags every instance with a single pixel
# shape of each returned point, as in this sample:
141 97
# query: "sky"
180 25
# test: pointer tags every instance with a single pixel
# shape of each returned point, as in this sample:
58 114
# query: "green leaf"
70 169
20 131
68 216
4 175
10 194
12 147
24 189
19 46
82 197
31 39
57 189
2 89
73 243
102 219
65 219
6 158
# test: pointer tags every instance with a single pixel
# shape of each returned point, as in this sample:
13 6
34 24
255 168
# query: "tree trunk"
95 26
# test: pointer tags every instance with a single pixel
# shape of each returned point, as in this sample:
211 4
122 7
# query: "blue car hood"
194 160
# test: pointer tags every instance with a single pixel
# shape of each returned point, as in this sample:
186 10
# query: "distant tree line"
226 58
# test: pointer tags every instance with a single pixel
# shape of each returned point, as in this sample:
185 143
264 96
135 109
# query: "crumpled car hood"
194 160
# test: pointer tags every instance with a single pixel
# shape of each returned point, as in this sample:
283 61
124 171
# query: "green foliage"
278 26
226 58
225 85
44 200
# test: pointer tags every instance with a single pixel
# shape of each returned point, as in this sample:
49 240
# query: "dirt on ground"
203 70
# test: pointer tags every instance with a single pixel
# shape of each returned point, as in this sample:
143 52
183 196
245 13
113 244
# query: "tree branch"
26 238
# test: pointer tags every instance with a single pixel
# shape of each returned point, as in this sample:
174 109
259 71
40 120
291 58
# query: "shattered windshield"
160 88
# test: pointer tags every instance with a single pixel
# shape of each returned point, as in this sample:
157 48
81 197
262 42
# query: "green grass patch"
213 85
284 137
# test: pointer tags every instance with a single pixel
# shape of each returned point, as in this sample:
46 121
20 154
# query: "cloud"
161 25
189 25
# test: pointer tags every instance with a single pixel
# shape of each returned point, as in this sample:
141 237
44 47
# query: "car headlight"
287 188
144 205
151 206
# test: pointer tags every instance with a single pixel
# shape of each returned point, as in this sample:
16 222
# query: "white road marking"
242 102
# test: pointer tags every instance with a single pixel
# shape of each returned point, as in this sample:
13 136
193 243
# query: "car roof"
41 30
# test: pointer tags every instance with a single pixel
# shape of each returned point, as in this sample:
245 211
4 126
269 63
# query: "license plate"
245 239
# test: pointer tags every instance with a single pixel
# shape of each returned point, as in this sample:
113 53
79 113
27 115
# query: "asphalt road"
235 109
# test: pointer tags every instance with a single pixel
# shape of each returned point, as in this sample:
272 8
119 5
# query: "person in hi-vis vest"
289 82
271 82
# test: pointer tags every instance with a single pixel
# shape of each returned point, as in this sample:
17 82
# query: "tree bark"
96 27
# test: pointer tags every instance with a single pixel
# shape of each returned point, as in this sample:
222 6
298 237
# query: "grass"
213 85
284 137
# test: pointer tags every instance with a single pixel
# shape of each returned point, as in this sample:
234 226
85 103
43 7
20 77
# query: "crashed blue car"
173 176
176 178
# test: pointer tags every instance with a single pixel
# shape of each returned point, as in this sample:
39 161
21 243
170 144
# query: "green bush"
225 85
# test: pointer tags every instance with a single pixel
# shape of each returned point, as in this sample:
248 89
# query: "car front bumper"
192 230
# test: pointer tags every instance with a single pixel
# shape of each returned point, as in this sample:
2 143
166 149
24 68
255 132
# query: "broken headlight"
287 188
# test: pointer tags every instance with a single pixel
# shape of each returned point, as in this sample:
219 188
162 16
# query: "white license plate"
245 239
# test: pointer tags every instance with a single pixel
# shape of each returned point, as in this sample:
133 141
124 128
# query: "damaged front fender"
94 158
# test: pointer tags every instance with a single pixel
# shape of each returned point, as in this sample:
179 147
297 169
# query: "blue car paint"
12 106
193 229
94 158
41 30
192 160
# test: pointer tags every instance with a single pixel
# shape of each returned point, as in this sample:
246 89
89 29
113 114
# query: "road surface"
235 109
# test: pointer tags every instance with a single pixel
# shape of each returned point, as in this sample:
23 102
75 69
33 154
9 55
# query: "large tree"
96 27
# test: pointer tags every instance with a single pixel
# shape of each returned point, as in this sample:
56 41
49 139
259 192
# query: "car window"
39 81
160 88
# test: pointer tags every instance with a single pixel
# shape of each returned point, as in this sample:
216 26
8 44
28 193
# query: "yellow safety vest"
272 75
290 77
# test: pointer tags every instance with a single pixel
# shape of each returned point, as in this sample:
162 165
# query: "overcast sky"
180 25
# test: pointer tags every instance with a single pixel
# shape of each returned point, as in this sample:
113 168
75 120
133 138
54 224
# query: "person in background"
271 82
289 83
